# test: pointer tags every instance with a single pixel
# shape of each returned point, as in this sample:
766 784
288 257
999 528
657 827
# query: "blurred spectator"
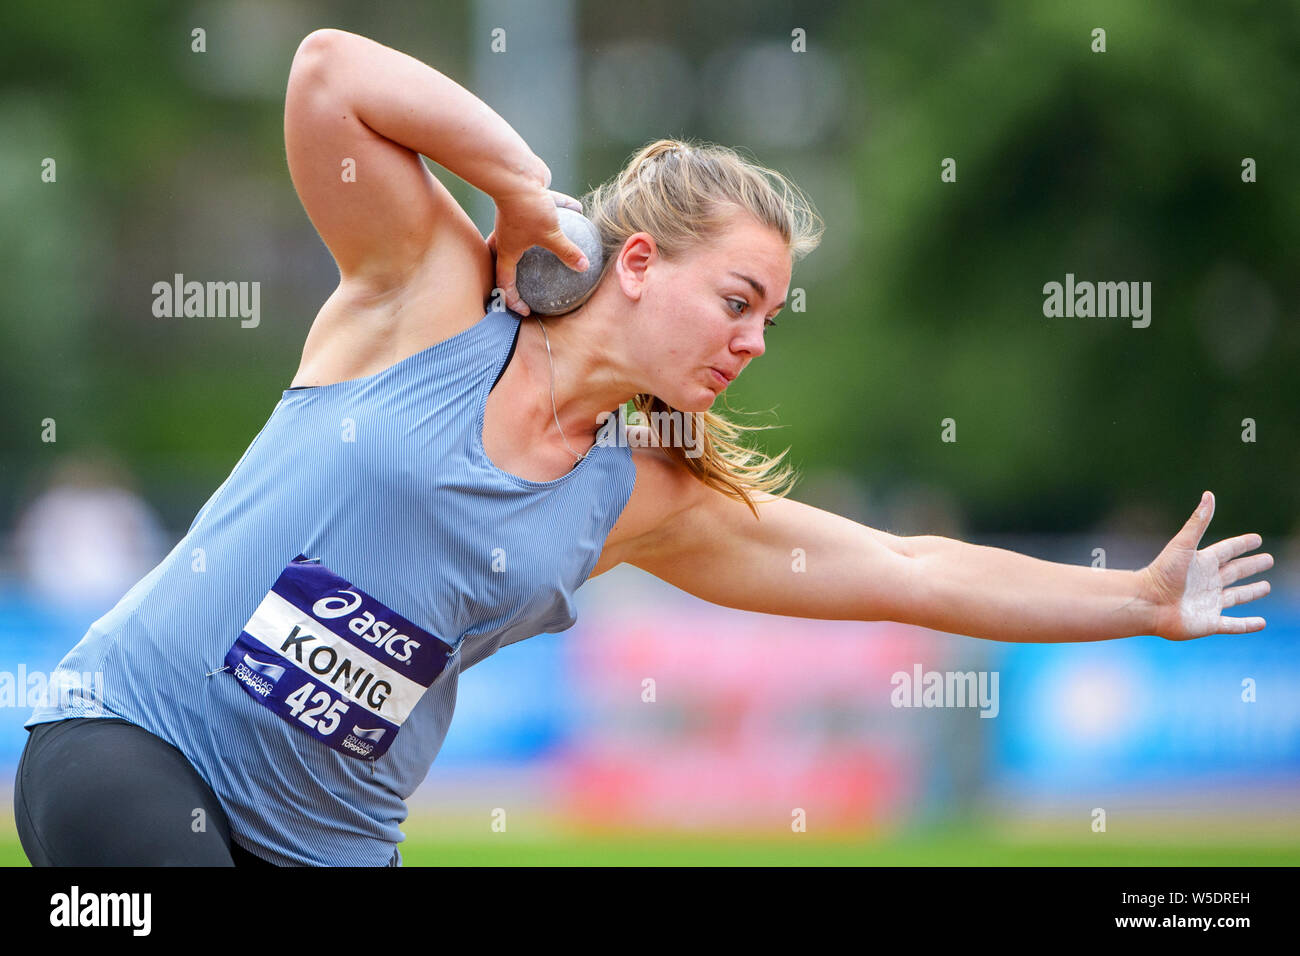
87 537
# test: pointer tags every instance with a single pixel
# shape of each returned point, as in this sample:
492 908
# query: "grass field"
434 842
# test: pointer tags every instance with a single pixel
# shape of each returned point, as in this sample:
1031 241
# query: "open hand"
1189 588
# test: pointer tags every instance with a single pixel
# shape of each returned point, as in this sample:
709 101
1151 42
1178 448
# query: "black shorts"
101 791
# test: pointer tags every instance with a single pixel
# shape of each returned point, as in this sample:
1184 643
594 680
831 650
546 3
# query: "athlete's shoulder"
363 329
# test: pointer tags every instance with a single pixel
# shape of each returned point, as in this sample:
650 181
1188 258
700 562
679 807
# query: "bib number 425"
312 716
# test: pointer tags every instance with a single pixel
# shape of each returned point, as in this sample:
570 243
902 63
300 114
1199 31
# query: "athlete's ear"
632 262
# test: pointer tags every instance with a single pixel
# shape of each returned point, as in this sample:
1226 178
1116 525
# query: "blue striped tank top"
383 480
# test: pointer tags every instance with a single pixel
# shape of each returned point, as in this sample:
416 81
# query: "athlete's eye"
767 323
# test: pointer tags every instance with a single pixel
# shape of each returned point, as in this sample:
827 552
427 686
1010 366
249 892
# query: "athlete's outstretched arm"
801 561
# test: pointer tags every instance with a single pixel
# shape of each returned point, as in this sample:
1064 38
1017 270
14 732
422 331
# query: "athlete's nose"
751 341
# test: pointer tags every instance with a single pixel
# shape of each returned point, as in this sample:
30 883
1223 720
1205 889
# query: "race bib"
333 661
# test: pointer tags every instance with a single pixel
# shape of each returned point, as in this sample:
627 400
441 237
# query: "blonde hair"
683 193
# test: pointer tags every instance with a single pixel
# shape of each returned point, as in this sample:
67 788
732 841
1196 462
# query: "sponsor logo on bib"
325 656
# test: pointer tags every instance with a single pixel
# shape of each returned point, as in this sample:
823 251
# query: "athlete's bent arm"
800 561
357 116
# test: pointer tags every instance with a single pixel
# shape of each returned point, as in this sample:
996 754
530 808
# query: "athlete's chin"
690 397
701 402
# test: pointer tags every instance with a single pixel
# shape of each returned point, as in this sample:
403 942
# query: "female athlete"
433 485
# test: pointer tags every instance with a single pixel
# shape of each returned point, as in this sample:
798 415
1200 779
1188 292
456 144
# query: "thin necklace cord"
554 410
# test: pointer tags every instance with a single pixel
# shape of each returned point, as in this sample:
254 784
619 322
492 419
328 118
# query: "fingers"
569 253
1229 548
513 301
1247 592
1244 568
1190 535
505 267
1239 625
568 201
563 247
506 283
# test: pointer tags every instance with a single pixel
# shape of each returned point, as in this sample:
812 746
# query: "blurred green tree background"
924 303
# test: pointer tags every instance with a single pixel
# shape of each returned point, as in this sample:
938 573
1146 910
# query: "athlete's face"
708 312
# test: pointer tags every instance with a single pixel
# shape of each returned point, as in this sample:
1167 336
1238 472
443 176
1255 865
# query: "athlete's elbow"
920 545
319 44
318 55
